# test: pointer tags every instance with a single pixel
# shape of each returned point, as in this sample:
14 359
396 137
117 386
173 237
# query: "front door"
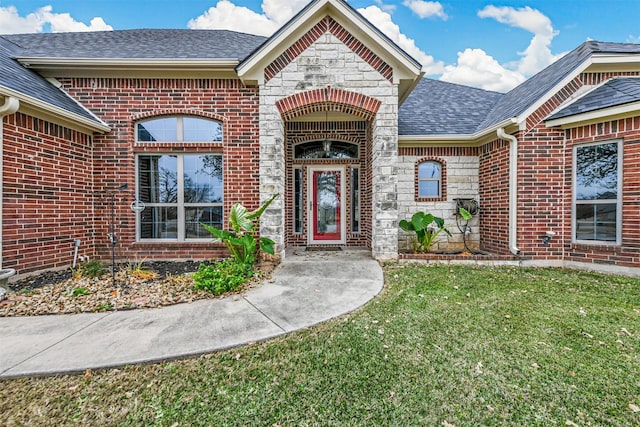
326 192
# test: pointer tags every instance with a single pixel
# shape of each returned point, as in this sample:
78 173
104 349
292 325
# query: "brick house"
330 114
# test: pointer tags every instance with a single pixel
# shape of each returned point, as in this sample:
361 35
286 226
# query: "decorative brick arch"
329 98
177 112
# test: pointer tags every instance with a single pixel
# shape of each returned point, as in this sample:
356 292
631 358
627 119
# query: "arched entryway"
328 151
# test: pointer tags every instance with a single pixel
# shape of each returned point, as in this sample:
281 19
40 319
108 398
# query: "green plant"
94 268
105 307
427 227
77 292
226 276
240 239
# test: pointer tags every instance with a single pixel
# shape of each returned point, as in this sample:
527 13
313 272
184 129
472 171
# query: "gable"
346 24
328 25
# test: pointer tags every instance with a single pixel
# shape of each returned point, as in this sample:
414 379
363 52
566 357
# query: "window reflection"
179 128
326 150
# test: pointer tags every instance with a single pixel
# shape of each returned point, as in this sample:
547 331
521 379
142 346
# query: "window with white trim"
179 129
180 191
597 192
429 179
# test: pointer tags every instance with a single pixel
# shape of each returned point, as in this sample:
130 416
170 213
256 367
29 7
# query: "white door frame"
311 196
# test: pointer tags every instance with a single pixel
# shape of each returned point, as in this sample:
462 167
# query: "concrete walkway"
307 288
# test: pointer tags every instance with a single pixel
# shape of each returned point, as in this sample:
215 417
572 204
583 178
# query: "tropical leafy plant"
427 227
241 239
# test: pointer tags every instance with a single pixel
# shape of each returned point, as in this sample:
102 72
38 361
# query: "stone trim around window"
443 179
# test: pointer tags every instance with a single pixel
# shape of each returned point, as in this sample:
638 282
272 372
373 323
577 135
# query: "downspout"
9 107
513 189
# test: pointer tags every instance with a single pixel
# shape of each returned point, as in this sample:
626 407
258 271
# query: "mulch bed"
60 293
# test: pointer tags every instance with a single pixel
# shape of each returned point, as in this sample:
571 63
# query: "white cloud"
476 68
538 54
382 20
426 9
226 15
12 23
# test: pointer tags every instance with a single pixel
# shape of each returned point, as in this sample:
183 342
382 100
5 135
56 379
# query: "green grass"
440 346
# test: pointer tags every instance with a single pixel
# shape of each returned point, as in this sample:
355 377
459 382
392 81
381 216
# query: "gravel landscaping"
147 285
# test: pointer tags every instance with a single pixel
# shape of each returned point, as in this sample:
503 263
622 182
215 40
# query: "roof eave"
152 68
33 106
463 140
597 116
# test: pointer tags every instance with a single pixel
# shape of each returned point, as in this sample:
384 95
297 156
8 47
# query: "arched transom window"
326 149
179 129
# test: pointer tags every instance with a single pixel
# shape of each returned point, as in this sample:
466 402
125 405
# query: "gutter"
513 189
469 139
9 107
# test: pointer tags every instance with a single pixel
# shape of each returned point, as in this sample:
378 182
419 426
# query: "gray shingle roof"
618 91
139 44
523 96
15 77
435 108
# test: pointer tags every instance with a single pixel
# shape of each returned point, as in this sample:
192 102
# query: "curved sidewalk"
307 288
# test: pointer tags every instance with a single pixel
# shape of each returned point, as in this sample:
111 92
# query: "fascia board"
550 93
146 68
34 106
131 63
596 116
464 140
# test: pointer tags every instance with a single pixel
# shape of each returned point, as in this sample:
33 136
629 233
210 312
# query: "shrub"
226 276
94 268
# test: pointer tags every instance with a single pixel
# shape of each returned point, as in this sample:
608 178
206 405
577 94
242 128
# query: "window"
180 192
429 179
355 200
297 200
597 192
179 129
327 149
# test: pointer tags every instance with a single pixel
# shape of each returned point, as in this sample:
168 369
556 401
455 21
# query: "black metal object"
471 206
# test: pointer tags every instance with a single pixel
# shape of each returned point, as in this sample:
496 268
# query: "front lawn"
440 346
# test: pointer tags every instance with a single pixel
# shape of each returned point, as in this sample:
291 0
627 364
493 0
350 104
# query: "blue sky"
493 44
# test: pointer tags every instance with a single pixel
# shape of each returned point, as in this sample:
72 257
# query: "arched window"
179 129
326 149
430 179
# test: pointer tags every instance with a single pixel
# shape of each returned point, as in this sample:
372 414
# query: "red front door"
327 206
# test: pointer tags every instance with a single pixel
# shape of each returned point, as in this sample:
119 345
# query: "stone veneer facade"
460 179
329 63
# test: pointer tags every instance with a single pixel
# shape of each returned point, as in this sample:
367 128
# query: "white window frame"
439 179
617 201
179 127
180 205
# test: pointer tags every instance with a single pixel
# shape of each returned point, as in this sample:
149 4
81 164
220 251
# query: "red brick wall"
628 253
121 102
545 178
494 197
48 196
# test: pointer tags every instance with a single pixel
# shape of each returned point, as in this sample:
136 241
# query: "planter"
4 281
